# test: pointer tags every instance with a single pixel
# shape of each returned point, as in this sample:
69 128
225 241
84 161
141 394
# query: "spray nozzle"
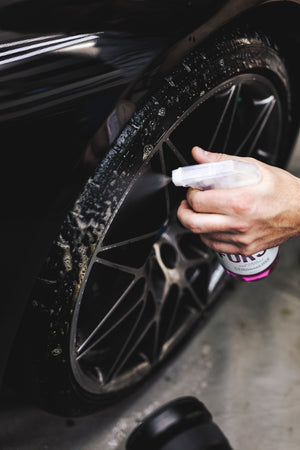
217 175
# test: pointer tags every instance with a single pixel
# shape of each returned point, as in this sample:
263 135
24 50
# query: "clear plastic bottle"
250 268
229 174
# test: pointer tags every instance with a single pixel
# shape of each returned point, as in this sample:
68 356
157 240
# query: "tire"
124 283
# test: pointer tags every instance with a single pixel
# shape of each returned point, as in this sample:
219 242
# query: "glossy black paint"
145 17
56 92
63 66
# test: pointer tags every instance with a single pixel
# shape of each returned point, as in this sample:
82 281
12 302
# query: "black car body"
64 66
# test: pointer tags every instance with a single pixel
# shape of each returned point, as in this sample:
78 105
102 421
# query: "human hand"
245 219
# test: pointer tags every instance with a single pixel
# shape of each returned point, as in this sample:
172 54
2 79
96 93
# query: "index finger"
231 201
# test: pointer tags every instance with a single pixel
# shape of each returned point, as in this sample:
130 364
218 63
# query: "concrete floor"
244 365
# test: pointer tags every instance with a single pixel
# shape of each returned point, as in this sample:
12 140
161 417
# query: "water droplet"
56 351
170 81
263 153
162 111
147 150
187 68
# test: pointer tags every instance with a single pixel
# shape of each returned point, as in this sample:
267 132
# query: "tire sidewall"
68 264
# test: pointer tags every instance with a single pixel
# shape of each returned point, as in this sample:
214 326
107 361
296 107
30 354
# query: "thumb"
202 156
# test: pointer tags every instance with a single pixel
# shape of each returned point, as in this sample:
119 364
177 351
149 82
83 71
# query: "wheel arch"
280 20
277 19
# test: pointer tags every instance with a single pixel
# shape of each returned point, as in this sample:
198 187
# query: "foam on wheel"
124 283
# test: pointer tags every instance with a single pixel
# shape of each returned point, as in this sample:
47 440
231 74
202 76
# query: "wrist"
294 206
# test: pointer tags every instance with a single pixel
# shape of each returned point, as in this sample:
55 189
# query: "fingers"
236 202
203 223
222 247
219 232
236 247
203 156
227 219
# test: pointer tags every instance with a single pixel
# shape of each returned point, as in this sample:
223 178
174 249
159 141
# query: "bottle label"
248 265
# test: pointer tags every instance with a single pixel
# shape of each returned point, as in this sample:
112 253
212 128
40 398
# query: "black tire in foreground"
124 283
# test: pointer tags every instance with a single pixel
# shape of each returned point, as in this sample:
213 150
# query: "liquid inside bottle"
250 268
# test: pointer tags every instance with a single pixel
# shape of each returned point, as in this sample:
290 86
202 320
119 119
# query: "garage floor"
244 364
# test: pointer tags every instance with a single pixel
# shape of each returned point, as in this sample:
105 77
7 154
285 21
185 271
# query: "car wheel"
124 283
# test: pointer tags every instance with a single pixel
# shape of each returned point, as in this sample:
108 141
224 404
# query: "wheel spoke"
215 278
231 101
259 123
235 98
84 347
196 299
192 249
270 102
172 319
120 363
120 360
204 258
116 266
176 151
127 242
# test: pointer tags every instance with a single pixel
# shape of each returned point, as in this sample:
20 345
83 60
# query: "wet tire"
124 283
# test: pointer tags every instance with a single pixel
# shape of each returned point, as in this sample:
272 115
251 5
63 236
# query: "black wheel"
124 283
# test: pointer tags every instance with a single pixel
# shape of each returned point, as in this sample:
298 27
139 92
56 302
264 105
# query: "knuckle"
194 225
248 251
219 156
245 244
242 204
193 201
242 227
182 216
248 241
214 245
246 247
179 214
189 221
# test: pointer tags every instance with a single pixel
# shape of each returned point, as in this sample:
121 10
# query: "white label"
248 265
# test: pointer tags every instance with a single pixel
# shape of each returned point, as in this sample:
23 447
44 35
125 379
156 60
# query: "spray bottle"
229 174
